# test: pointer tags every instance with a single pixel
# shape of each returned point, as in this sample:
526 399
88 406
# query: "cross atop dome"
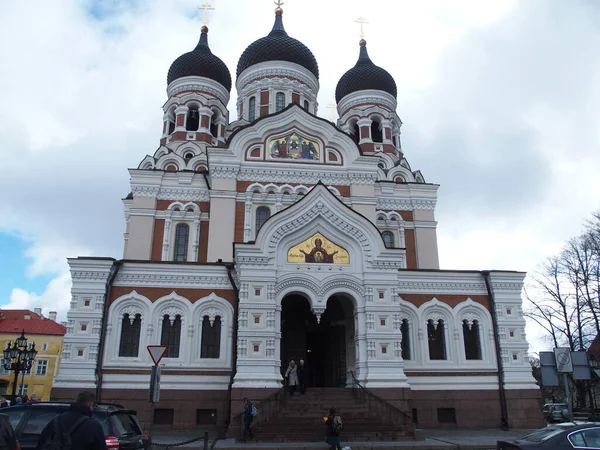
361 20
206 7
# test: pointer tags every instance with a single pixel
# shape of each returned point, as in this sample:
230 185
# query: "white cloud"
499 100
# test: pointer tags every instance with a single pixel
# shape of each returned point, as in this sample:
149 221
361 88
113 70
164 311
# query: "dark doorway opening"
321 345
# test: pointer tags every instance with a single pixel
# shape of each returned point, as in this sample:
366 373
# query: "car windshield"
542 434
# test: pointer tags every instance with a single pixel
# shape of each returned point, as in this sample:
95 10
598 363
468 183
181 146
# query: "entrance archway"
326 347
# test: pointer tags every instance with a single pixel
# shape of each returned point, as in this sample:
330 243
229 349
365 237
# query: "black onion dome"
200 62
278 46
365 75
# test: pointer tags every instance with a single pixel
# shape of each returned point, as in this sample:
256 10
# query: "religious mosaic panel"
318 249
294 147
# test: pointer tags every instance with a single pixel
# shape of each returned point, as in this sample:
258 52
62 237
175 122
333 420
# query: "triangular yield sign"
157 352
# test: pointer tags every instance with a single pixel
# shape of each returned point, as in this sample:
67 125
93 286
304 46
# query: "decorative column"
180 118
248 220
195 239
386 130
364 126
165 245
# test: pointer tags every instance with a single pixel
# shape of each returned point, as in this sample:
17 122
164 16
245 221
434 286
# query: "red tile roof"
18 314
42 326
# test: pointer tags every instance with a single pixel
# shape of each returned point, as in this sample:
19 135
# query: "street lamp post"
19 357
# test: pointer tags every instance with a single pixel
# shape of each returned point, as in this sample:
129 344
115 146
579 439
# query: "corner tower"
366 103
198 88
275 71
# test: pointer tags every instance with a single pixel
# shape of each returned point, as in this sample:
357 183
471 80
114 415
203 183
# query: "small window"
252 109
381 294
262 215
164 416
193 119
211 338
257 292
388 239
256 348
171 335
214 126
511 333
404 330
182 232
306 105
436 339
382 322
22 389
84 327
471 338
446 415
256 319
376 131
508 311
79 352
206 417
44 346
515 356
86 303
41 367
384 349
189 155
279 101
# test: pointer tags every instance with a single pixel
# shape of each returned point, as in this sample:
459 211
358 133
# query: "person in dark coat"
88 435
302 377
248 419
333 424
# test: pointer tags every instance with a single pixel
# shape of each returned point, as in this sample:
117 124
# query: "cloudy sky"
500 102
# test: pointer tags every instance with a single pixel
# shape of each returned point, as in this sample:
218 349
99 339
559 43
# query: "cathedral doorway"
326 347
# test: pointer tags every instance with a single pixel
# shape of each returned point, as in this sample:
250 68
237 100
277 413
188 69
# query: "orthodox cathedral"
282 236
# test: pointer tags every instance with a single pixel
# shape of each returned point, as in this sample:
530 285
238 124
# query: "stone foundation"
525 408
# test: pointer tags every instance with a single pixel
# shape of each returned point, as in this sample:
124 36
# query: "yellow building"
47 335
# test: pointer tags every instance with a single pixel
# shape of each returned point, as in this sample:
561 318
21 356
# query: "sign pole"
568 397
156 353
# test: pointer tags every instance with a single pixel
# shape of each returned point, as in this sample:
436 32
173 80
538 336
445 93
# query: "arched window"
214 126
306 105
252 109
262 214
405 330
129 345
471 337
211 338
193 119
182 233
376 133
170 335
356 133
437 340
279 101
388 239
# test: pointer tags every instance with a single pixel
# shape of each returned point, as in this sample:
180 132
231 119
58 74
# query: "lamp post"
19 357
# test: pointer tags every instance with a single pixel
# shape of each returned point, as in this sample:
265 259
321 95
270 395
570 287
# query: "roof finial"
332 107
278 10
361 20
206 7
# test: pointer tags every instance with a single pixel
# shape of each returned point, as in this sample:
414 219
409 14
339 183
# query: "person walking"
75 427
291 375
248 419
334 426
302 376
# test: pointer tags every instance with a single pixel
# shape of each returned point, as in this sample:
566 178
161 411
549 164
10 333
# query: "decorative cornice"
85 275
277 70
191 195
406 204
431 287
279 175
151 279
200 84
145 191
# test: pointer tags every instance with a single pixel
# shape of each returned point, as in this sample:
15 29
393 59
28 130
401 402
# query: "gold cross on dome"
279 3
362 21
332 107
206 7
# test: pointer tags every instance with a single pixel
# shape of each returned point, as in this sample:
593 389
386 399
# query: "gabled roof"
36 327
18 314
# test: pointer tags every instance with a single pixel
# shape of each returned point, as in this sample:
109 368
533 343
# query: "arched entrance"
326 347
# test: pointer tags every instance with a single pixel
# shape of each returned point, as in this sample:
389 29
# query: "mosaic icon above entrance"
294 147
318 249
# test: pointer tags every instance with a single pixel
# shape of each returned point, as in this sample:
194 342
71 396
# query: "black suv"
122 430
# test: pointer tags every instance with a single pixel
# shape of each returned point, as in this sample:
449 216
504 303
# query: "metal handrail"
396 415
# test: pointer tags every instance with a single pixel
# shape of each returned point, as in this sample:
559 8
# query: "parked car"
8 441
553 412
557 437
122 429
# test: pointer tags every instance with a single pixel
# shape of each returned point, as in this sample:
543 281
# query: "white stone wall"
81 346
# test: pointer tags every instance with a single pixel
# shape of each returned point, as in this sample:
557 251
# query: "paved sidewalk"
434 440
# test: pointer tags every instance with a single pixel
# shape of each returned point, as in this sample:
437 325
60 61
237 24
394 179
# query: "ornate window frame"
181 213
213 306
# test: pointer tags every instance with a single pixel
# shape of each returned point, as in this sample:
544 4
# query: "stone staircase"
301 420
